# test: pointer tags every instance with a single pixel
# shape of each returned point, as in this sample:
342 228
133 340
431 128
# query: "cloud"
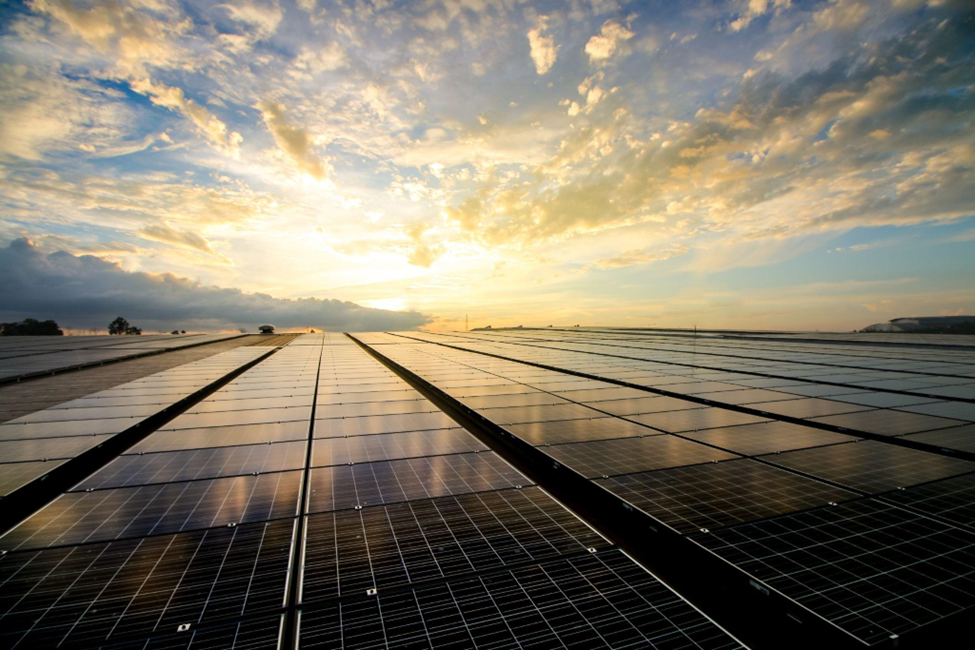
188 240
753 10
216 132
422 253
638 256
45 112
87 291
260 18
544 51
780 158
135 33
294 141
312 61
603 45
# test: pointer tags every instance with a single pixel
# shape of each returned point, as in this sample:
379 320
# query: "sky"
755 164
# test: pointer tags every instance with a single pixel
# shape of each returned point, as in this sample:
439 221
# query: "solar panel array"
28 356
839 476
317 499
33 445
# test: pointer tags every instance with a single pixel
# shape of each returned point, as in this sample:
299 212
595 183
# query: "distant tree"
118 326
31 327
121 326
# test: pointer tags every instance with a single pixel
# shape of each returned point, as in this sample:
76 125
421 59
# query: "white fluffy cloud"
293 140
208 124
606 43
543 49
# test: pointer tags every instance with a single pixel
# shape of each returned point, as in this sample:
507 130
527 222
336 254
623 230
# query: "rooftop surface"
586 487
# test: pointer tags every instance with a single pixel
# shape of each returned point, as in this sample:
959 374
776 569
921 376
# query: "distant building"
918 323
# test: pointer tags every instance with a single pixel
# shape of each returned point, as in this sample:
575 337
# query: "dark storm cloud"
88 292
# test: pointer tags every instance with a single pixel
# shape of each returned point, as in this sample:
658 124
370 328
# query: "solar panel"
872 466
352 551
809 408
195 464
544 433
520 399
416 533
952 499
628 455
766 437
956 410
720 494
732 494
392 446
601 600
15 451
888 422
961 438
246 434
247 634
364 484
80 517
869 567
546 413
93 593
382 424
374 408
16 475
695 419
